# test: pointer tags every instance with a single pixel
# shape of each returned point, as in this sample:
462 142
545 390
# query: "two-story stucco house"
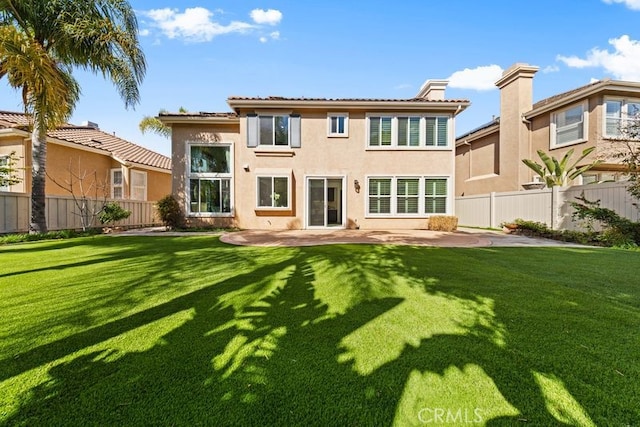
300 163
489 158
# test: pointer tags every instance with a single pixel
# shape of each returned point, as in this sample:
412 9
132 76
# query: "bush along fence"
551 206
63 214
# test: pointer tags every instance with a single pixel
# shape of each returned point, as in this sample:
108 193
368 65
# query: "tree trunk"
38 222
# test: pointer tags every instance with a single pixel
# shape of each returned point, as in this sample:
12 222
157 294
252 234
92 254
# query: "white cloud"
623 63
631 4
551 69
479 78
275 35
269 17
194 24
144 33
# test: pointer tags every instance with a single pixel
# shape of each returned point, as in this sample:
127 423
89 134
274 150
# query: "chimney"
90 124
516 98
433 90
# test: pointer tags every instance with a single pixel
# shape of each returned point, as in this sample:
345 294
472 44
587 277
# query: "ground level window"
273 192
435 195
408 191
210 195
380 195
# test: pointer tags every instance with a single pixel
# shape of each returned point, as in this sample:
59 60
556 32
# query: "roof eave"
606 85
201 119
456 106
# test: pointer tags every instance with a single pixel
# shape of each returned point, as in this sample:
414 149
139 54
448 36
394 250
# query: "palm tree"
153 124
42 42
559 172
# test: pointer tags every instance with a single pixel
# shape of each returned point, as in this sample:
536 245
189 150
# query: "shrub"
617 230
170 212
112 212
443 223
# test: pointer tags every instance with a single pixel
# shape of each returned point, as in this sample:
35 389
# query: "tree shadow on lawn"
290 357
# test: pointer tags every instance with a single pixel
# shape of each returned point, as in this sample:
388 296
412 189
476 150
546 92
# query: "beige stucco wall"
63 161
319 156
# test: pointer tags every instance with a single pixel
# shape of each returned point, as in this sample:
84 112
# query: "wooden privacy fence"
63 214
550 206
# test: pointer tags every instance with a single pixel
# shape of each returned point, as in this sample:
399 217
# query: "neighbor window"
621 118
117 184
407 196
138 185
274 130
569 126
338 124
408 131
273 192
210 174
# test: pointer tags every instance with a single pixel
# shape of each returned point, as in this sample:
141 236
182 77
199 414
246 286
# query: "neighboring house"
489 158
292 163
125 170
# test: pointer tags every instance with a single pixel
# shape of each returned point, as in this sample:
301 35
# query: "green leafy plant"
113 212
617 230
170 212
8 171
554 172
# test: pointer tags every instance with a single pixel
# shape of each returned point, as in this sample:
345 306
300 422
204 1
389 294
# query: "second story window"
569 126
621 118
407 132
274 130
338 124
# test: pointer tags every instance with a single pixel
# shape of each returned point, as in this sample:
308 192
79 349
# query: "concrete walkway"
463 238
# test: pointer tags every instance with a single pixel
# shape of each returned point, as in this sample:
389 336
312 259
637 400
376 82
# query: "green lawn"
190 331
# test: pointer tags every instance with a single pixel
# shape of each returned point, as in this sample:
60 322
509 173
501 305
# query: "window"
569 126
620 116
338 124
138 185
408 191
210 174
380 195
379 131
273 192
435 201
408 131
117 184
4 163
437 131
407 196
274 130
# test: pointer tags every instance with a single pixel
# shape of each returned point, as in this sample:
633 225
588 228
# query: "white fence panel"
552 207
63 214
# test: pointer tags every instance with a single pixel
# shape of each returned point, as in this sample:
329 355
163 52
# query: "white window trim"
344 134
585 125
421 196
273 146
623 111
206 175
131 192
113 186
422 146
273 208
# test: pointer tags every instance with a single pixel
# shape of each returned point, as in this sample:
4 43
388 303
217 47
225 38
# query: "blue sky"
200 52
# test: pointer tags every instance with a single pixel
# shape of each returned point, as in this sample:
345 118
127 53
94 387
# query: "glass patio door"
324 202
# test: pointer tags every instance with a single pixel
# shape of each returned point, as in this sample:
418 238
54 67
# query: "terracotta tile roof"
88 136
284 98
567 94
200 114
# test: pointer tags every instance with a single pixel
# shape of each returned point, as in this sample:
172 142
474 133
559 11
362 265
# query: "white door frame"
343 201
